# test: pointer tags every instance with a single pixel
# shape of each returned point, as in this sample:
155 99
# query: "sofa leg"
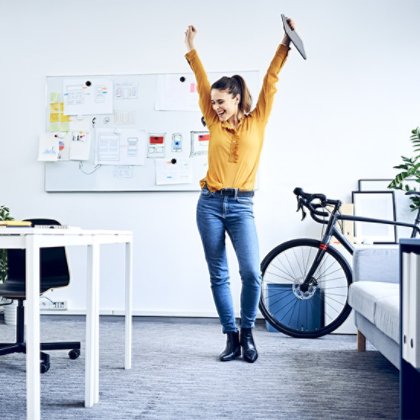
361 341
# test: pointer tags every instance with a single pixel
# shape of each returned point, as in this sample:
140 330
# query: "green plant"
410 170
4 215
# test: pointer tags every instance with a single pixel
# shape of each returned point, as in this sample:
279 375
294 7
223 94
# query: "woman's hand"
190 34
286 39
291 24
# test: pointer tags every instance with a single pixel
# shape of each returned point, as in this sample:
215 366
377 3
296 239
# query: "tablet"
294 37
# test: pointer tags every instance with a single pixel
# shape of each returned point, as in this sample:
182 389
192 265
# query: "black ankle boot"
233 348
249 351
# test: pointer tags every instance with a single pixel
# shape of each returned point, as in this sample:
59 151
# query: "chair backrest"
53 263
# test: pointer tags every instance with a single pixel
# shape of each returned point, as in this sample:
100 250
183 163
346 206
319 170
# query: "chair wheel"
45 367
74 354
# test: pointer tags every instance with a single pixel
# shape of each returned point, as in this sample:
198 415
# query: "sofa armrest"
377 263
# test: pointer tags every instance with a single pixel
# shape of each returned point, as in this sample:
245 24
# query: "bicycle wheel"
296 311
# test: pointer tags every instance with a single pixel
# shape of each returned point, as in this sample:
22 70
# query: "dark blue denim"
216 215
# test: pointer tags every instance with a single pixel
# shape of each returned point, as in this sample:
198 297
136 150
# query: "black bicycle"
305 282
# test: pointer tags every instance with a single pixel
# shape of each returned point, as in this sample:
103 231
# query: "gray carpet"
176 375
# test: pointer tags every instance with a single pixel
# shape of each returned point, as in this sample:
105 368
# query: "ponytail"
246 99
236 85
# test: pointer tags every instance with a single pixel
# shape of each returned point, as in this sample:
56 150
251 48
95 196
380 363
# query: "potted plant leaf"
409 171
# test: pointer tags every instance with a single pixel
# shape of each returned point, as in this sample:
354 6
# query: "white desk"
32 239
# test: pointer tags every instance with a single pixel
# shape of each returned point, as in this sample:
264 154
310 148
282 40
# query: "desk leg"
128 303
33 394
92 328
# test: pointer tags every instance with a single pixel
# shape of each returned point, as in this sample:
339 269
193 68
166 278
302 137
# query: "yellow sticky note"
55 117
65 118
57 107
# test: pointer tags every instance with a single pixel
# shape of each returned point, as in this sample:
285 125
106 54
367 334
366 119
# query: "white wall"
344 114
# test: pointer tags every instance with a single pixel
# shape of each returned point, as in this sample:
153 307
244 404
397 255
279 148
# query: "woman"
226 199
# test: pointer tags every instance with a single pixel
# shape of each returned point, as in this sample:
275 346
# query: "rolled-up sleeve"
203 86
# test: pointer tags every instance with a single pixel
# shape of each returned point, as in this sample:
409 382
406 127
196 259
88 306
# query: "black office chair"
54 273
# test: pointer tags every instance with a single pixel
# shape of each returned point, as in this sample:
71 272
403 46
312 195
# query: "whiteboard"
157 106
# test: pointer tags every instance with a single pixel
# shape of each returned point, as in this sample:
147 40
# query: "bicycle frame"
331 231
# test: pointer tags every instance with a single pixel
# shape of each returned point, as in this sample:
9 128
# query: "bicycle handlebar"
309 197
307 200
325 217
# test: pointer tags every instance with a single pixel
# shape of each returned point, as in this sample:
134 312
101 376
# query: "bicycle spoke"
311 311
276 275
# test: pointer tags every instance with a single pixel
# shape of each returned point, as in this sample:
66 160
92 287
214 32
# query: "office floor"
176 375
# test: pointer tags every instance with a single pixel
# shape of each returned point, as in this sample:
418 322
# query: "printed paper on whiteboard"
87 96
48 147
64 141
199 142
62 146
176 92
120 147
80 145
168 173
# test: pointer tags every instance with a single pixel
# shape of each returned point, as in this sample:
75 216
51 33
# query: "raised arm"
269 88
190 34
203 84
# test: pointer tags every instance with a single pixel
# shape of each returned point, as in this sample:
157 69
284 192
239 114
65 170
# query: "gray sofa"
375 299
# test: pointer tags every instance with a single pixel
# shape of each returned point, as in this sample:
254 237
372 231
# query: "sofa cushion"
364 295
377 263
387 316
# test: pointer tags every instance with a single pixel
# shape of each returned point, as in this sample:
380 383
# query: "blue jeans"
216 215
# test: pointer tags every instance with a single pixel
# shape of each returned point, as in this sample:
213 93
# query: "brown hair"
236 85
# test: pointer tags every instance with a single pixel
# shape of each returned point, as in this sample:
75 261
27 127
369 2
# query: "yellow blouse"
234 153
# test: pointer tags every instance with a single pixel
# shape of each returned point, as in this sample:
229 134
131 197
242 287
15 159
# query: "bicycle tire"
319 311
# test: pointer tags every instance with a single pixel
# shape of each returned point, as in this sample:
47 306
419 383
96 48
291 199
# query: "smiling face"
224 104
